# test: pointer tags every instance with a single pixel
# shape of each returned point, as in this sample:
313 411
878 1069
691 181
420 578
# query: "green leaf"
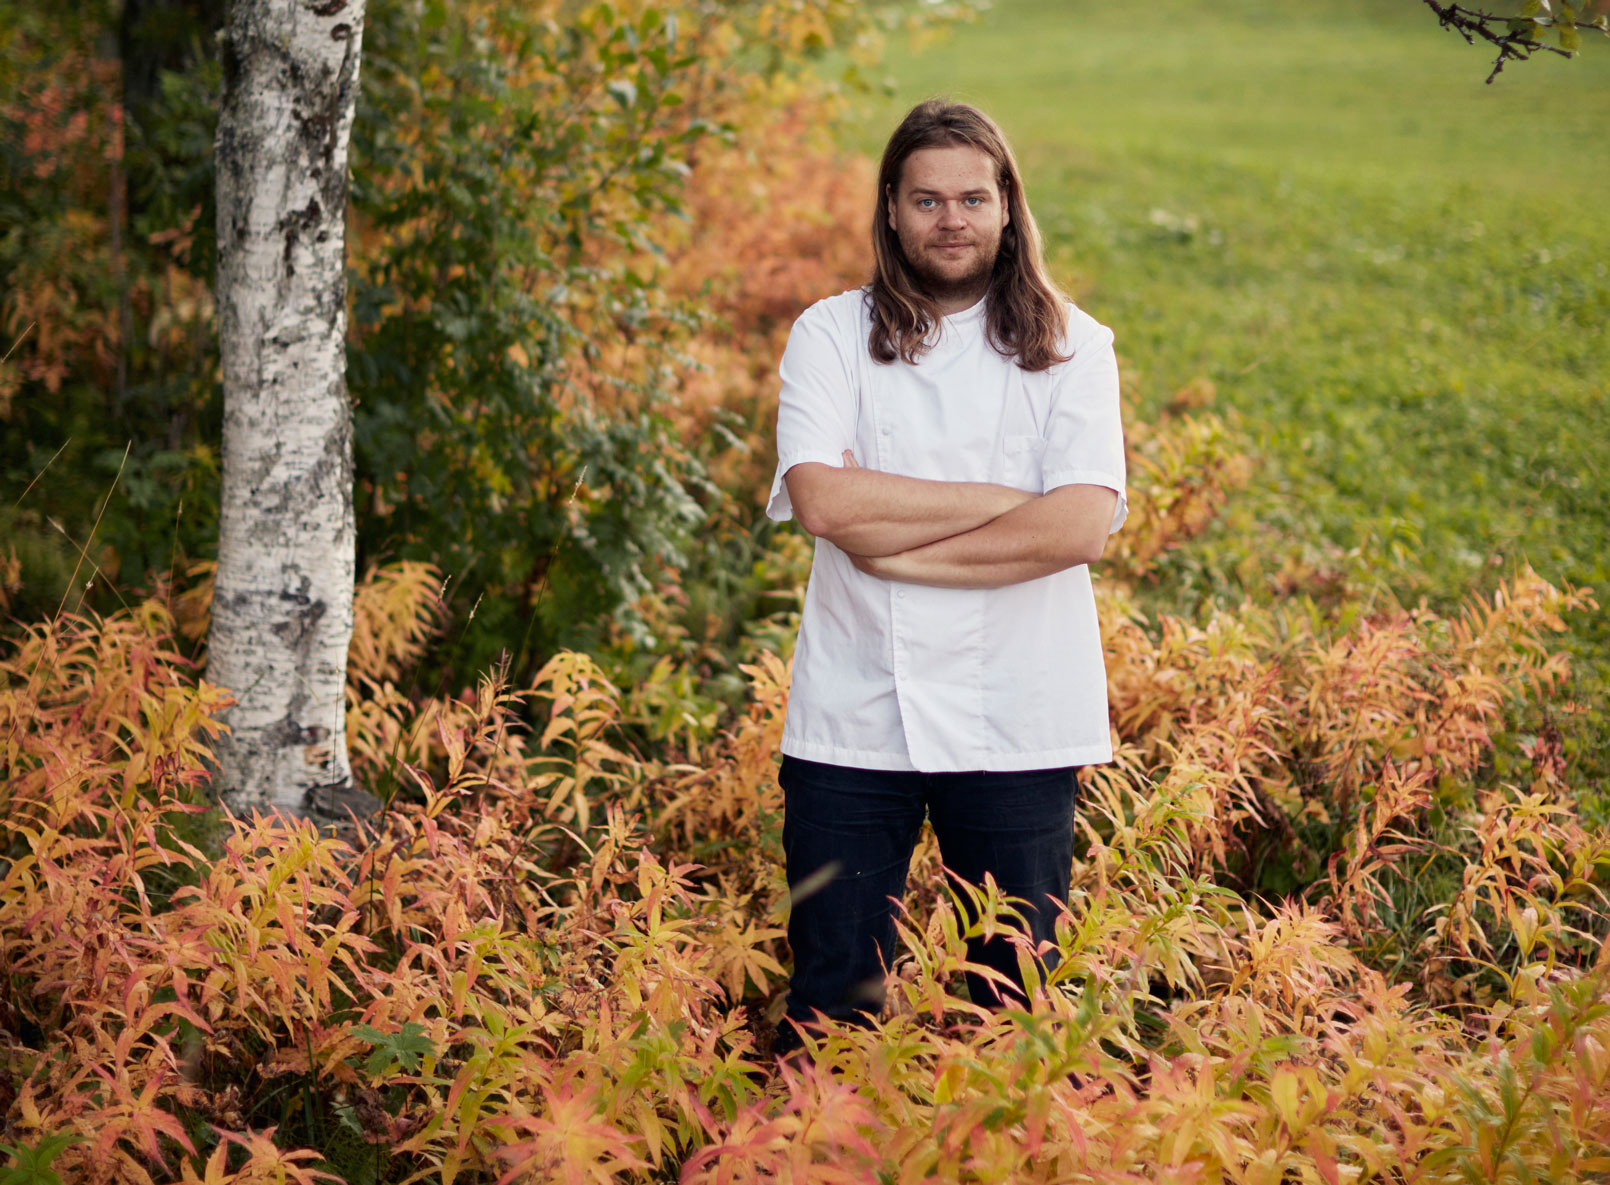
403 1049
33 1164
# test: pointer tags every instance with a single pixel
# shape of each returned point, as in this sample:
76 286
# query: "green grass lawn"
1397 277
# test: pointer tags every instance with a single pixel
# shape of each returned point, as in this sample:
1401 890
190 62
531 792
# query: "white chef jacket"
898 676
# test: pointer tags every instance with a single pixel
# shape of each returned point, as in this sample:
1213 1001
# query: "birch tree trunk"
282 605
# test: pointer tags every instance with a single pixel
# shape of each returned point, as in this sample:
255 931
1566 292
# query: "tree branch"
1517 37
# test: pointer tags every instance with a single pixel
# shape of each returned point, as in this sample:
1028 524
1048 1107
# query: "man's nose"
953 214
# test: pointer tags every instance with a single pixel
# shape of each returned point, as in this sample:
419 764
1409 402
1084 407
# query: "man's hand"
1048 534
869 513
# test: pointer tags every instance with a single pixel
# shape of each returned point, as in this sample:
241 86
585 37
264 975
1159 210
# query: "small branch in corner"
1516 37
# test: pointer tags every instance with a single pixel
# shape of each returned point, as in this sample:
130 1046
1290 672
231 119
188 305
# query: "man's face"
948 215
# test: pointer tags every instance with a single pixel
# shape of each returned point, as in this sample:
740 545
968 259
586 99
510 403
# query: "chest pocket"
1021 458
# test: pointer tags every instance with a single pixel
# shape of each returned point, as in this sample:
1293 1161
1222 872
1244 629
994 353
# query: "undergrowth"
557 953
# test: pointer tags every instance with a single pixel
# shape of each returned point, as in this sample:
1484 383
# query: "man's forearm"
1061 530
868 513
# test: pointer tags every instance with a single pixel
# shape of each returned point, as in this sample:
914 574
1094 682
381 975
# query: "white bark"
282 605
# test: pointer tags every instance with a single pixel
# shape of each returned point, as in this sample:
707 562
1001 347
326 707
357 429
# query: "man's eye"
925 203
975 201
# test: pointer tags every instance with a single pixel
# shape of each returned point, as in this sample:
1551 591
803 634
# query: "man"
950 435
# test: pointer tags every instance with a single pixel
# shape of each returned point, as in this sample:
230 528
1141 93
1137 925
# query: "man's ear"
888 201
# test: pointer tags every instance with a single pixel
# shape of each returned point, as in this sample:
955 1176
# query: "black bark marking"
229 59
292 226
239 603
335 804
295 630
289 732
329 7
342 32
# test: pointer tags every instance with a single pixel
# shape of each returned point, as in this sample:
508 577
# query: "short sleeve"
817 406
1085 435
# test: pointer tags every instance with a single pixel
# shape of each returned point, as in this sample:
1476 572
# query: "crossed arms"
951 534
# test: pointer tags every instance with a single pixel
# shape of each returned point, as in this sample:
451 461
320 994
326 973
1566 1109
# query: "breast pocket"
1021 458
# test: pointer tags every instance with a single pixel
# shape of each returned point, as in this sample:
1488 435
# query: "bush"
556 955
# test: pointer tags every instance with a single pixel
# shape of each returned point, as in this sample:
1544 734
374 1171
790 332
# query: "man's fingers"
849 460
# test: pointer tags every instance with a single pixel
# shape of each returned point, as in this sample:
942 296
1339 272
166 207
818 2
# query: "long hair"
1026 313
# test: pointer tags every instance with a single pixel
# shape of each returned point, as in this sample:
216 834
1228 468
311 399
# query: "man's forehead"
961 168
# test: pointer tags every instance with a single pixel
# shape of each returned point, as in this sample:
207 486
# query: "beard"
951 279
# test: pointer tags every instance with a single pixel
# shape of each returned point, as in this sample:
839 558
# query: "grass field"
1397 277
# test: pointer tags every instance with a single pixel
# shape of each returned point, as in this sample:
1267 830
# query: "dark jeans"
848 836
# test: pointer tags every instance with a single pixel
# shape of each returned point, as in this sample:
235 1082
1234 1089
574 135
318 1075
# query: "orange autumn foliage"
524 968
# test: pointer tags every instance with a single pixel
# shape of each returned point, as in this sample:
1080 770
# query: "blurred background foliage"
528 296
